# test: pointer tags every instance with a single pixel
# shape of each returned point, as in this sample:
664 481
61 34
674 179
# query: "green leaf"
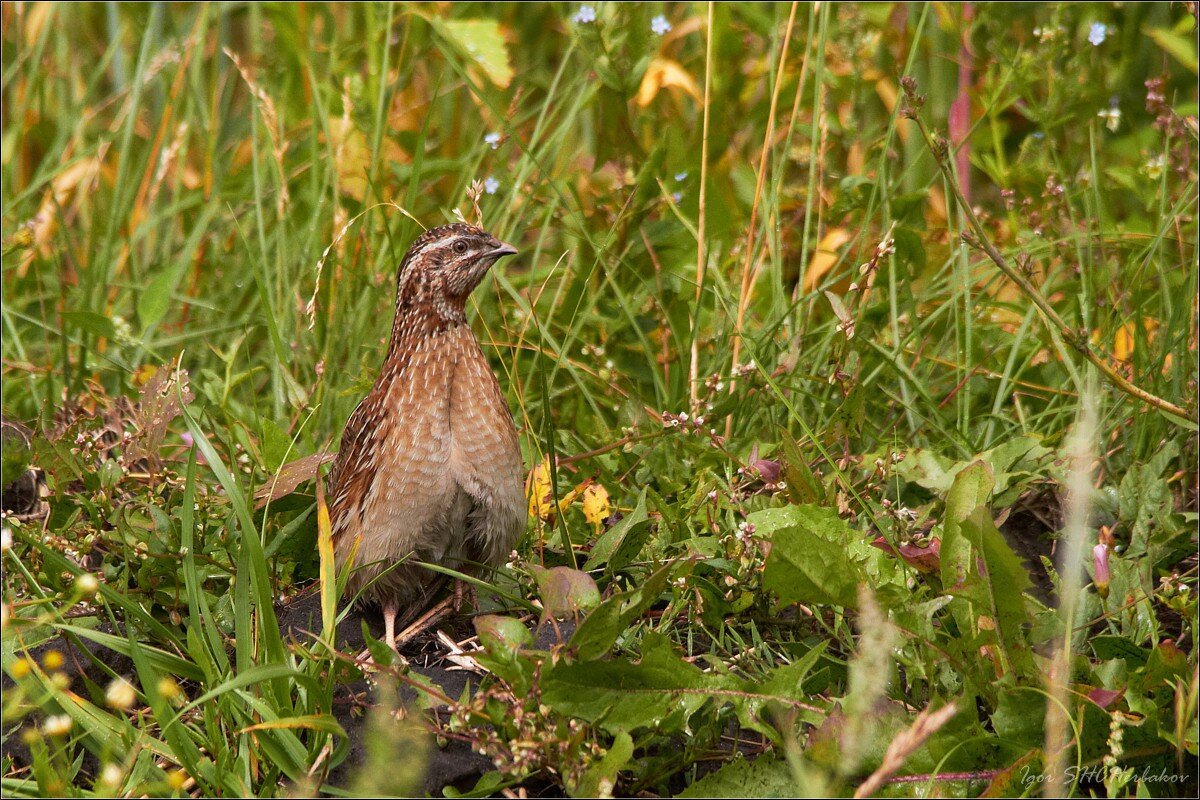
155 299
1108 647
565 592
275 446
765 776
971 488
619 695
501 634
999 588
809 560
601 776
1182 48
611 541
600 629
91 322
17 456
481 42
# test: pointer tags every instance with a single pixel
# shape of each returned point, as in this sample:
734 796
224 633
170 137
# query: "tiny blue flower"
677 197
1098 33
660 25
584 15
490 185
680 177
493 140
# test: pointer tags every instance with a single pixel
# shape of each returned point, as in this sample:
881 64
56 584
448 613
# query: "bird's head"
443 266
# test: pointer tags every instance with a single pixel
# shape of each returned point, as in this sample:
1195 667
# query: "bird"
429 468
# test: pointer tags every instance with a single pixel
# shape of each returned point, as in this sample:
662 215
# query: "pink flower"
1100 568
190 441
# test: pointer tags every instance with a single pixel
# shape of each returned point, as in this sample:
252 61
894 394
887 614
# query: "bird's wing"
353 469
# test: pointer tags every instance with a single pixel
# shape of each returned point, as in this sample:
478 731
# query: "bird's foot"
464 596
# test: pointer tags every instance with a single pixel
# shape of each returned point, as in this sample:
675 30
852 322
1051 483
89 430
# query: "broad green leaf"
765 776
482 43
565 592
810 561
155 299
662 690
91 322
502 634
611 540
1000 589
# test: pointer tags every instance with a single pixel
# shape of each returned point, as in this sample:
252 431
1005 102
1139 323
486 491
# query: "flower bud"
1100 569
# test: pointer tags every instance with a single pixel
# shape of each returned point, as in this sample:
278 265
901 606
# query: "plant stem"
1076 339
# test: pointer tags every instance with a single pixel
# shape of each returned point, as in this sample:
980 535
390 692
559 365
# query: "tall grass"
759 239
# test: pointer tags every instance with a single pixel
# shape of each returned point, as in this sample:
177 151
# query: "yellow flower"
52 660
168 688
176 779
21 668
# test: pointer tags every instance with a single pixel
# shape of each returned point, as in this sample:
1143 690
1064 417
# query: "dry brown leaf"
291 475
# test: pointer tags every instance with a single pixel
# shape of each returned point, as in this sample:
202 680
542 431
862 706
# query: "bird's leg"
390 609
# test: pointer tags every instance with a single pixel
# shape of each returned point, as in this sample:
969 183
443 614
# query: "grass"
731 221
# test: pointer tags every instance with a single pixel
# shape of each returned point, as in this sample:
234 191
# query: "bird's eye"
460 246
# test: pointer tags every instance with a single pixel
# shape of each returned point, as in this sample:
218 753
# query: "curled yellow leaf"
664 73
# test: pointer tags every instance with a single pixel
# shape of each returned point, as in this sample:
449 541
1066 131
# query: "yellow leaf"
665 73
1123 342
825 256
540 491
596 507
327 568
481 41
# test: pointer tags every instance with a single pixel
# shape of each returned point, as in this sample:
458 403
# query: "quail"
429 468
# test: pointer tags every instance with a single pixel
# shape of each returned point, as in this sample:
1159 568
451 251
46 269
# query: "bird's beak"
503 249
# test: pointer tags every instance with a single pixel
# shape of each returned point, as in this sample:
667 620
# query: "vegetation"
853 349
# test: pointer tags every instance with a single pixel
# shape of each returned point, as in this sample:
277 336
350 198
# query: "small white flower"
1111 117
584 15
120 694
1098 33
680 177
660 25
492 140
1154 167
87 584
5 539
111 776
57 725
491 185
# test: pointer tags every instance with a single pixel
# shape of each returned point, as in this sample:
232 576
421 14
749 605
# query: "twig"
978 238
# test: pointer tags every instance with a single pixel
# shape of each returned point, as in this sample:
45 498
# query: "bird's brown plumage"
429 467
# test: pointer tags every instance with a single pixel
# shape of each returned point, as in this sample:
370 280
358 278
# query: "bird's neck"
416 324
